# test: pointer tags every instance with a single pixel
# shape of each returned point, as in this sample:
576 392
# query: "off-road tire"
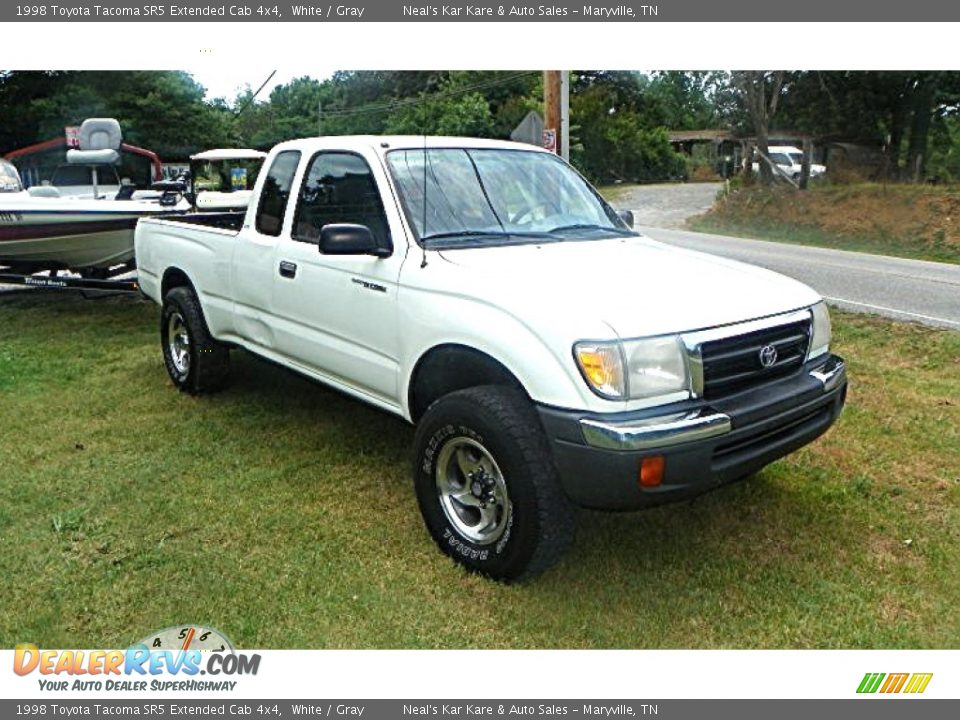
208 363
541 521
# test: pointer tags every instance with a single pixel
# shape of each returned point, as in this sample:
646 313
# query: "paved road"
924 292
914 290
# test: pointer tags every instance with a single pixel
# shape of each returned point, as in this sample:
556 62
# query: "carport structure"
727 152
718 147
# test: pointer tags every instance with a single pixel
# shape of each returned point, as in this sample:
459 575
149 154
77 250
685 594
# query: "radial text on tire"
487 486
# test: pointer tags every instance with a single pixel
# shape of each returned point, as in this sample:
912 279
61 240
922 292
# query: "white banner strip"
559 674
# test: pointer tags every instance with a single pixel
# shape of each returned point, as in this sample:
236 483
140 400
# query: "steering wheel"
529 212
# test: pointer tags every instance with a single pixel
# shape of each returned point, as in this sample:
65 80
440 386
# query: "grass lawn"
612 193
283 514
912 221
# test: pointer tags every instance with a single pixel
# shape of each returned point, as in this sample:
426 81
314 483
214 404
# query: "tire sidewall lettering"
467 550
456 542
502 542
437 440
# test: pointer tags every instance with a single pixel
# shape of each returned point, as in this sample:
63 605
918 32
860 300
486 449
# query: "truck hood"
636 287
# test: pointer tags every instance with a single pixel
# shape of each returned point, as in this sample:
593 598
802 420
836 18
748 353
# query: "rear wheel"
195 361
487 486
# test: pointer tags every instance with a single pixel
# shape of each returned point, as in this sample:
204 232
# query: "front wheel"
487 486
195 361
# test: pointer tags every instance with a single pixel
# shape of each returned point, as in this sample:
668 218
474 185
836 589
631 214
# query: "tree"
467 115
761 91
689 100
164 111
19 92
616 143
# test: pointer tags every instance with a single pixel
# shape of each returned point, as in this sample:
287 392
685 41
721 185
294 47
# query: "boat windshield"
67 176
9 178
469 197
226 175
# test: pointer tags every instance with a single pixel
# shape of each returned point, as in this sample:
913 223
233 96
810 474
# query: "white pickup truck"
789 162
550 356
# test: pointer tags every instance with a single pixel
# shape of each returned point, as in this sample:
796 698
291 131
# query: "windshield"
9 178
780 158
482 197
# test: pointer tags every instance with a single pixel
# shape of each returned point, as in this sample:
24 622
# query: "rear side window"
339 188
276 192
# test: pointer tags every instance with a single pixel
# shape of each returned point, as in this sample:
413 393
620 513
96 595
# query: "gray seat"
100 141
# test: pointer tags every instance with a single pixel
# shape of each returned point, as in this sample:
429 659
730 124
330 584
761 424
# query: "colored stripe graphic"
918 683
870 682
894 683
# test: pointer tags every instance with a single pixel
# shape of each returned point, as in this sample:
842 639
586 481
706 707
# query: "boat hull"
59 234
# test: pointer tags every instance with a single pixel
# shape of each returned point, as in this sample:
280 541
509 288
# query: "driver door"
336 315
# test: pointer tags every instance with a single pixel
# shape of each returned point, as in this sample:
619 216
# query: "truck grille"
734 363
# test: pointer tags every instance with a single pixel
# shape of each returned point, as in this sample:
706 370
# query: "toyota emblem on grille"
768 356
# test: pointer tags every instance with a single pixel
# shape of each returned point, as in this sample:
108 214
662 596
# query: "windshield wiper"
474 234
590 226
464 233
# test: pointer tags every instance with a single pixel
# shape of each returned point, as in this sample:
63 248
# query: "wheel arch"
175 277
450 367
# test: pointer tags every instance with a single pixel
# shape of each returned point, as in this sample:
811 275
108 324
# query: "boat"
41 229
222 180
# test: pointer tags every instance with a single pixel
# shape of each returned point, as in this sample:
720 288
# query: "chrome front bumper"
831 373
704 423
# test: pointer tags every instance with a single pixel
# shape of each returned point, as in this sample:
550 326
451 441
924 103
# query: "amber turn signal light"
651 471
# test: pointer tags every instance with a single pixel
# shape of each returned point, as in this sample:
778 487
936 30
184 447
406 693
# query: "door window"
276 192
339 188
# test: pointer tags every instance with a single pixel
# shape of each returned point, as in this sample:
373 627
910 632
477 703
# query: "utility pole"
551 110
565 115
320 118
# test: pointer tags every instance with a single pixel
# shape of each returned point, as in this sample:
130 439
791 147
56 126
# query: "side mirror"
627 217
349 239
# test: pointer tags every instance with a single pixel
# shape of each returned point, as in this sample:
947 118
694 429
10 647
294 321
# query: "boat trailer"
109 281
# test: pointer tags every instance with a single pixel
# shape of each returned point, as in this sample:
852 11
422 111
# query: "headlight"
634 369
655 366
602 368
820 338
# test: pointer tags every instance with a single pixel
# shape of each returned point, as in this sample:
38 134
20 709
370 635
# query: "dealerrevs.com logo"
181 652
912 683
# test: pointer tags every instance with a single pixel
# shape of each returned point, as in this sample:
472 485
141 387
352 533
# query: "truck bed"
220 220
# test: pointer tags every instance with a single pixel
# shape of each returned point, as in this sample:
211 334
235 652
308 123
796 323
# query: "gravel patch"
666 206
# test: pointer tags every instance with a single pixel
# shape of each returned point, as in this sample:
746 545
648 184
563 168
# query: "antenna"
253 97
423 230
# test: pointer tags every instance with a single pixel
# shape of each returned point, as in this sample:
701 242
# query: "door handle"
288 269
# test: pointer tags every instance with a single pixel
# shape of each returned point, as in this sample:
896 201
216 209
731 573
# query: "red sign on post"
72 133
550 140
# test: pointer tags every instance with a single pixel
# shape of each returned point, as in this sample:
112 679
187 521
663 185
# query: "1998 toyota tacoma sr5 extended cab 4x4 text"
549 355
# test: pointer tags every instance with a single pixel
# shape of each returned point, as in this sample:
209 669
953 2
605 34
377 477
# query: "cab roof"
384 143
